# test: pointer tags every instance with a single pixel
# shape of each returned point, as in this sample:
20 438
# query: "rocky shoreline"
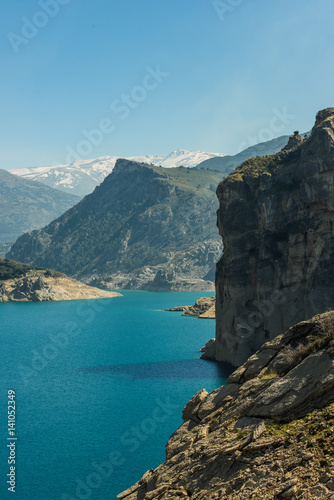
35 286
153 279
204 308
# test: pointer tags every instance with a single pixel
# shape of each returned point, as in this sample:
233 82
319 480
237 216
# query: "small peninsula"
22 283
204 308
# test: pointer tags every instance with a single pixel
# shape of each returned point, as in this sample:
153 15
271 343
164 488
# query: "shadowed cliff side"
276 220
267 434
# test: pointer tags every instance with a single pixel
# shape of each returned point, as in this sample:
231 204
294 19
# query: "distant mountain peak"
82 176
188 159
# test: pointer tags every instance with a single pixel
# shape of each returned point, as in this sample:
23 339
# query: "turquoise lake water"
100 386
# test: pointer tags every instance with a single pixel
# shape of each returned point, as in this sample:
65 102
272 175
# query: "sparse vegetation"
10 269
259 165
190 179
315 428
323 329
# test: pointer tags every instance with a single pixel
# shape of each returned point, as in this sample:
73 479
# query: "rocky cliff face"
276 219
144 227
267 434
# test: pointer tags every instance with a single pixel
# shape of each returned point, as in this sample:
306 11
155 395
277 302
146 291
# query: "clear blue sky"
227 74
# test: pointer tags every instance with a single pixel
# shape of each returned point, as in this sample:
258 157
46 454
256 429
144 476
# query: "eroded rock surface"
266 434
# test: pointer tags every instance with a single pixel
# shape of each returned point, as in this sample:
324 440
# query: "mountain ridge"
144 227
82 176
228 163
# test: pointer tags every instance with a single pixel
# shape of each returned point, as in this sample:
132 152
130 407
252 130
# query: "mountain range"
144 227
164 271
227 163
82 176
26 205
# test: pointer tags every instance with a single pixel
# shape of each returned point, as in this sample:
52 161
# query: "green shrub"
10 269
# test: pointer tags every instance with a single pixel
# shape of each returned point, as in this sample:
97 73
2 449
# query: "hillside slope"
144 227
227 164
26 205
267 434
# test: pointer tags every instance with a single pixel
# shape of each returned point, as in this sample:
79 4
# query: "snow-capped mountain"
82 176
184 158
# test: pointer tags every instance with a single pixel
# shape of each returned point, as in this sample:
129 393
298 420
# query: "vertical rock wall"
276 220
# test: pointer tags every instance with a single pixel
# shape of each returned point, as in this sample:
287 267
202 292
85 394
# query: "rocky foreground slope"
276 219
21 283
144 227
267 434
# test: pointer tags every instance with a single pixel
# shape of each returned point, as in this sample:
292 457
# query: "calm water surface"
100 386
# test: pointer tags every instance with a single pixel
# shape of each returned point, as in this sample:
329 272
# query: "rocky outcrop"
204 308
294 141
34 286
276 219
144 227
268 433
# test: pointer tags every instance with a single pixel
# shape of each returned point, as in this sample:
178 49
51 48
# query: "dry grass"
270 374
322 335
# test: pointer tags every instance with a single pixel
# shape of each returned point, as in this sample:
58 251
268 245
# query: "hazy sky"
130 77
